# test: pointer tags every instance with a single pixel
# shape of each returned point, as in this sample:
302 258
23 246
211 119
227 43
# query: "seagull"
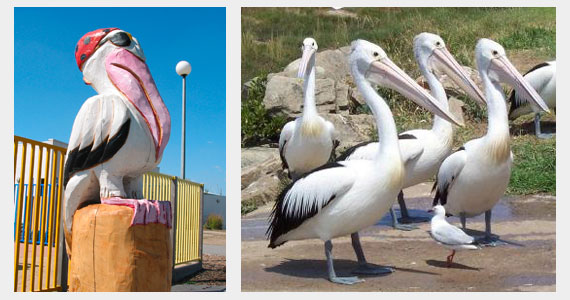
448 235
423 150
542 78
118 134
308 141
472 180
341 198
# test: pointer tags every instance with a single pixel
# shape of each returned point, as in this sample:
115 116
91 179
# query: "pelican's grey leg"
330 268
402 203
363 266
398 225
537 129
463 219
405 215
488 224
489 240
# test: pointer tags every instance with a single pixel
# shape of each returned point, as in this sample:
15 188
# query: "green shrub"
214 222
257 126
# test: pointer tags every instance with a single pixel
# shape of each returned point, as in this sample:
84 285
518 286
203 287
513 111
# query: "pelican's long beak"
385 73
509 74
444 62
308 55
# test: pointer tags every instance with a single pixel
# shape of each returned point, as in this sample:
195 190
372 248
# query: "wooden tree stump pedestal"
110 255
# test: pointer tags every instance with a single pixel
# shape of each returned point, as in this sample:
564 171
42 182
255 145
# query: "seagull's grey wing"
451 235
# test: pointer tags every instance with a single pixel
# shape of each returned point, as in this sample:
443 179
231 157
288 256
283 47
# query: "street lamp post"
183 68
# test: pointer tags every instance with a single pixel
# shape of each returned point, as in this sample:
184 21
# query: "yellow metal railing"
187 212
158 186
38 190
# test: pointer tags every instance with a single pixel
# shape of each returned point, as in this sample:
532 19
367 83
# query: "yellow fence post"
35 212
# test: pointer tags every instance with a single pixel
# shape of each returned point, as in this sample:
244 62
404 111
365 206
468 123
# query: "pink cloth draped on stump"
145 211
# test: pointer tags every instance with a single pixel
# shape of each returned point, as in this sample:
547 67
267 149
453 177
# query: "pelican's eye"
121 39
495 52
375 54
313 44
438 43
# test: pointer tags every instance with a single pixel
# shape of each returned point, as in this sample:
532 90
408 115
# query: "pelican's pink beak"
131 76
308 56
385 73
444 62
509 74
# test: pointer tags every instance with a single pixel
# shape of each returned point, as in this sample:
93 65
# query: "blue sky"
49 89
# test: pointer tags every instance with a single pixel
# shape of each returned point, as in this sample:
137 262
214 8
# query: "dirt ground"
527 263
214 266
213 273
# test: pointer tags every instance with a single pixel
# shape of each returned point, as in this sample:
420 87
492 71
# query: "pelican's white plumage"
306 142
423 151
472 180
341 198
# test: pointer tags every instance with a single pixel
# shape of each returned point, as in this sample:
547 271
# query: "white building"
214 204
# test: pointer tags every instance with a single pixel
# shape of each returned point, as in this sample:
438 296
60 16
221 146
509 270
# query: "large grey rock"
352 129
284 91
284 95
255 155
330 64
260 161
260 175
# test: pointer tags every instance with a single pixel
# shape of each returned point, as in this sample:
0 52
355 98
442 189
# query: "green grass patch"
271 37
534 166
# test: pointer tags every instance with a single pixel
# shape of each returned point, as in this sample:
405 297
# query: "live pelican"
449 236
422 150
307 142
341 198
118 133
542 78
473 179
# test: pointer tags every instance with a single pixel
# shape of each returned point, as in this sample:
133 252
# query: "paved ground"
528 264
215 242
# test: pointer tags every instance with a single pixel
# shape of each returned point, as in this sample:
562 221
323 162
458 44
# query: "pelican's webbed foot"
346 280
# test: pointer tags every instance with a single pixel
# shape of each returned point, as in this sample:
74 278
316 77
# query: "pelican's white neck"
387 133
309 105
498 123
497 139
441 127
